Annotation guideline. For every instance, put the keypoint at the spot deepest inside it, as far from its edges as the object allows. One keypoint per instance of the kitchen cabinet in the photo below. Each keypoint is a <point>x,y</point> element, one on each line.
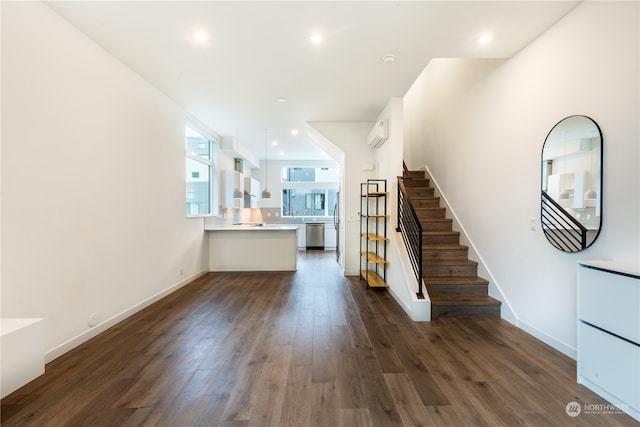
<point>302,238</point>
<point>231,179</point>
<point>330,236</point>
<point>609,332</point>
<point>270,247</point>
<point>251,193</point>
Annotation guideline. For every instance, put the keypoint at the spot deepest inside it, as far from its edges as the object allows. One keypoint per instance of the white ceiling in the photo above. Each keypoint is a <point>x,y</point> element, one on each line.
<point>259,51</point>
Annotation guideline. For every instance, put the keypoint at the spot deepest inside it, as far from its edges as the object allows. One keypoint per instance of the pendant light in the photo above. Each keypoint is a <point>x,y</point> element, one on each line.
<point>266,194</point>
<point>237,194</point>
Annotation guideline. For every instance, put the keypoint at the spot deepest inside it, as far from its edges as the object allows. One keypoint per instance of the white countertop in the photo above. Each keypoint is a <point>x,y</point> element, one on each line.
<point>252,227</point>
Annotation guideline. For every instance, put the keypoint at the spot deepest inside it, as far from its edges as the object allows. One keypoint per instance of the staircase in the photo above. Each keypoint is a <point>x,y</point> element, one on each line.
<point>450,276</point>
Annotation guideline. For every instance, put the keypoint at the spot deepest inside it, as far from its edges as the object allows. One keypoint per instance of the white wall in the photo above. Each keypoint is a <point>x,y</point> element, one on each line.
<point>351,138</point>
<point>93,208</point>
<point>483,148</point>
<point>402,282</point>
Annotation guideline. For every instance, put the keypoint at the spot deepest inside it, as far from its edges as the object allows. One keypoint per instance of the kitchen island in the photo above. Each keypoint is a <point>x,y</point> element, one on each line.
<point>253,247</point>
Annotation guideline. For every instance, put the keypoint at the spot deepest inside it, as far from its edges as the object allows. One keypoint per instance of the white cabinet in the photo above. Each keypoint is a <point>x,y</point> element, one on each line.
<point>302,237</point>
<point>231,179</point>
<point>609,332</point>
<point>21,351</point>
<point>251,193</point>
<point>329,236</point>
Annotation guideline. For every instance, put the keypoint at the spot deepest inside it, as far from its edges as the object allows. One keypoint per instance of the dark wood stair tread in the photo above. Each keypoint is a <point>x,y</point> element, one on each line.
<point>423,197</point>
<point>414,174</point>
<point>440,232</point>
<point>442,246</point>
<point>444,261</point>
<point>455,280</point>
<point>464,300</point>
<point>415,182</point>
<point>443,224</point>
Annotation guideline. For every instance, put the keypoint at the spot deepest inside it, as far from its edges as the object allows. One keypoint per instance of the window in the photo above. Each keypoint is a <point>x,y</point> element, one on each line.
<point>199,168</point>
<point>308,202</point>
<point>312,190</point>
<point>310,174</point>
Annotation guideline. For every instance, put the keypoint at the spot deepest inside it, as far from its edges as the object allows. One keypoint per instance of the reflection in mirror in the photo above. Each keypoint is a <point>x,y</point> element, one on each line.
<point>571,211</point>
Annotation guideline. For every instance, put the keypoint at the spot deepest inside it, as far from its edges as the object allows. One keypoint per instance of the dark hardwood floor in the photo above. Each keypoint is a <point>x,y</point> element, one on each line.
<point>310,348</point>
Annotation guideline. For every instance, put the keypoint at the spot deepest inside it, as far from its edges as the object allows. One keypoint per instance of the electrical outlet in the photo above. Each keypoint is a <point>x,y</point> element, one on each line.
<point>93,319</point>
<point>532,224</point>
<point>181,271</point>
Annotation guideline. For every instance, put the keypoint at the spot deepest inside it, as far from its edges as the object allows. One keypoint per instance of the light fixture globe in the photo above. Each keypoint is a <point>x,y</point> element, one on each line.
<point>590,194</point>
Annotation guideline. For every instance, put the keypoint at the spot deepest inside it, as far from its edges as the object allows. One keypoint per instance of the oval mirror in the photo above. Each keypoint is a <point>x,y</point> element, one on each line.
<point>571,212</point>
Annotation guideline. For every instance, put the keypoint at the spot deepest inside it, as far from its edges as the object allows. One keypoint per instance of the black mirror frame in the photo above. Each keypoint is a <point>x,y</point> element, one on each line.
<point>547,203</point>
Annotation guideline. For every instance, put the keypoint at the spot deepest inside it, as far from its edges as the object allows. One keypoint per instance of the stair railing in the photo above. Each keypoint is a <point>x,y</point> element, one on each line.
<point>561,228</point>
<point>411,229</point>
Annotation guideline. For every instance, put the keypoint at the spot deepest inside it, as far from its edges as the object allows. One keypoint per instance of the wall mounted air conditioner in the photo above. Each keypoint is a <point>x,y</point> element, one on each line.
<point>379,134</point>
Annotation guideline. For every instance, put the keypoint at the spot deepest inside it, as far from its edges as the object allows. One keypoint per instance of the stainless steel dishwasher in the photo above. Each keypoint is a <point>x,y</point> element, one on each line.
<point>315,235</point>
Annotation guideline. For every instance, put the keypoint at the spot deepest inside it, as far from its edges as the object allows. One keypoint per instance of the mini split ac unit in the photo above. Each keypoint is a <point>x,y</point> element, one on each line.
<point>379,134</point>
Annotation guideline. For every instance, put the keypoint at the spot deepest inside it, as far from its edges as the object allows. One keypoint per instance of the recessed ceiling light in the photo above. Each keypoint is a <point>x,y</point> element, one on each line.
<point>200,36</point>
<point>485,39</point>
<point>388,58</point>
<point>294,132</point>
<point>282,153</point>
<point>281,99</point>
<point>316,38</point>
<point>274,143</point>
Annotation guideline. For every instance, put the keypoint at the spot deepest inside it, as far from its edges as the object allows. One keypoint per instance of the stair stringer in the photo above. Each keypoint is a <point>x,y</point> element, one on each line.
<point>506,310</point>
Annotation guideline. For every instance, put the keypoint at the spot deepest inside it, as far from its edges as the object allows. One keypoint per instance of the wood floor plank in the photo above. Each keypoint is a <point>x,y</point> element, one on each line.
<point>379,340</point>
<point>324,405</point>
<point>302,351</point>
<point>306,348</point>
<point>359,417</point>
<point>350,388</point>
<point>410,406</point>
<point>416,368</point>
<point>268,395</point>
<point>378,397</point>
<point>296,410</point>
<point>323,364</point>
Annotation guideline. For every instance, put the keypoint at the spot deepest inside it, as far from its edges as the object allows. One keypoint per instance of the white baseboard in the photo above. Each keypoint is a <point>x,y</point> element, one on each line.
<point>58,351</point>
<point>548,339</point>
